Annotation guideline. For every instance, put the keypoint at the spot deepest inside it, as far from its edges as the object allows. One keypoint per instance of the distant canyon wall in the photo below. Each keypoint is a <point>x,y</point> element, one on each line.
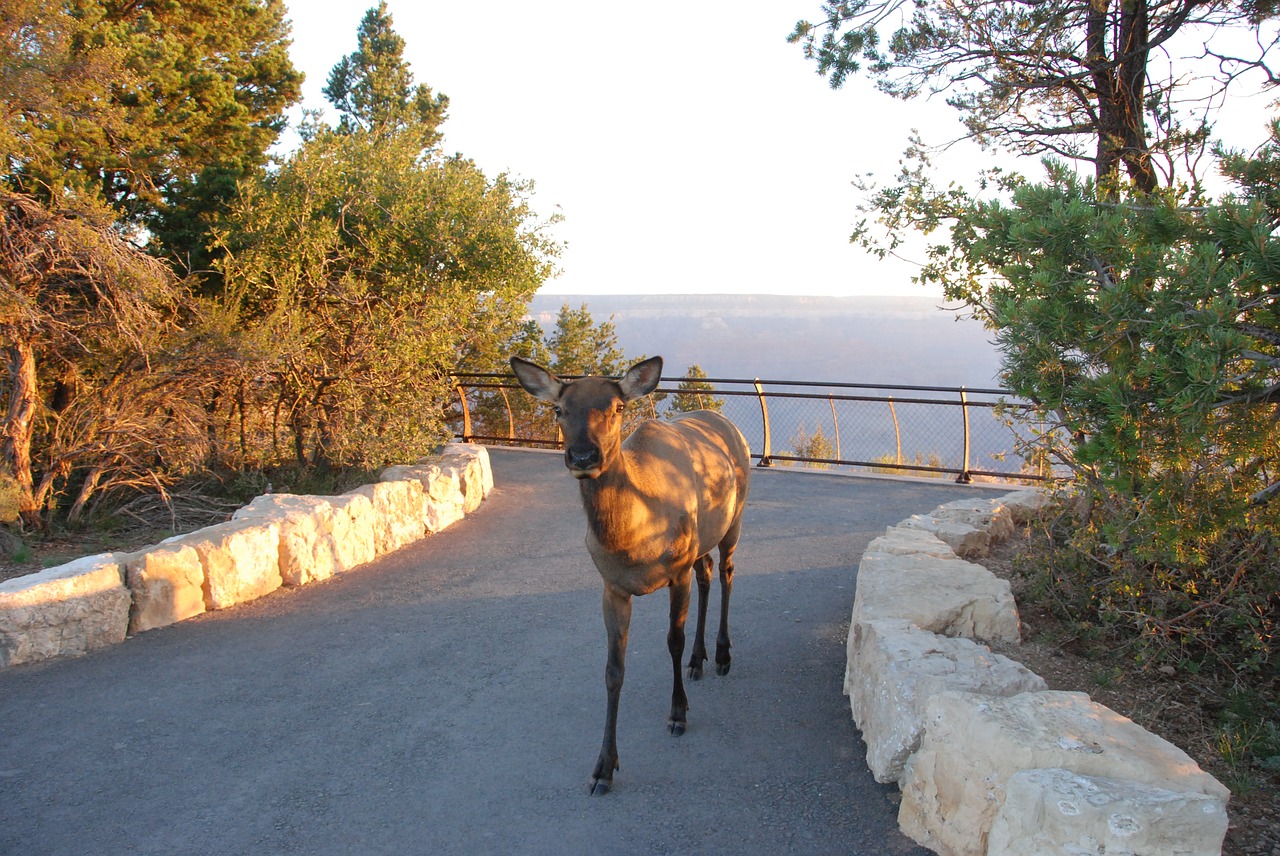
<point>891,340</point>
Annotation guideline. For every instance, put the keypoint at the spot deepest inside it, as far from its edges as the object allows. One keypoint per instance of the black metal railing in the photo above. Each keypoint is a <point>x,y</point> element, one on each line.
<point>925,430</point>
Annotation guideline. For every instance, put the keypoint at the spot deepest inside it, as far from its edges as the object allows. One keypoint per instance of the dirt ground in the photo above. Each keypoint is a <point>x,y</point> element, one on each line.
<point>57,549</point>
<point>1166,703</point>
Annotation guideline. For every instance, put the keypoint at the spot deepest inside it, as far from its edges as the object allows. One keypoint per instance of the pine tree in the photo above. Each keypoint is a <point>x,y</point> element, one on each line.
<point>579,346</point>
<point>373,89</point>
<point>694,394</point>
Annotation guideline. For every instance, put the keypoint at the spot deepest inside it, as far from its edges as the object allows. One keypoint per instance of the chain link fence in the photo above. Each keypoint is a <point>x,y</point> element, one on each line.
<point>945,432</point>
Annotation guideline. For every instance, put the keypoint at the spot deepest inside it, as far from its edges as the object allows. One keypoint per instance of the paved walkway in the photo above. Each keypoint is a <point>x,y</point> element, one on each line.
<point>449,699</point>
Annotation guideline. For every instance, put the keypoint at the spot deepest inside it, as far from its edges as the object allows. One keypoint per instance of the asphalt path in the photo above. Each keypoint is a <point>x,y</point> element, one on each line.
<point>450,698</point>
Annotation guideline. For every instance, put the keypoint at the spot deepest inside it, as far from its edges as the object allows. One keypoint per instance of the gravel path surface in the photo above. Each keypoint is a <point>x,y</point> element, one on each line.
<point>450,699</point>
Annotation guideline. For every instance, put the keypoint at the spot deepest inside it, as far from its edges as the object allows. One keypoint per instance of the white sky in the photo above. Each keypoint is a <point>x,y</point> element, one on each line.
<point>689,148</point>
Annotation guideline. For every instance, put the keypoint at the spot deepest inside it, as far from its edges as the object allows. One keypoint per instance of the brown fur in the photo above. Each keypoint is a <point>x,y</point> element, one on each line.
<point>656,506</point>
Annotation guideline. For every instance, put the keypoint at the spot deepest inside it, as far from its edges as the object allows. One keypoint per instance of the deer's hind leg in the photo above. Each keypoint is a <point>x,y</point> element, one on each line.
<point>702,575</point>
<point>727,545</point>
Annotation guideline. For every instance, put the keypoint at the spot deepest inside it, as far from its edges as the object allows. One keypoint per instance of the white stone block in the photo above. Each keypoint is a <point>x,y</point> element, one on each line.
<point>903,541</point>
<point>353,531</point>
<point>444,501</point>
<point>476,473</point>
<point>167,583</point>
<point>398,512</point>
<point>895,668</point>
<point>968,541</point>
<point>950,597</point>
<point>66,610</point>
<point>1026,505</point>
<point>989,514</point>
<point>307,549</point>
<point>241,560</point>
<point>1057,812</point>
<point>954,785</point>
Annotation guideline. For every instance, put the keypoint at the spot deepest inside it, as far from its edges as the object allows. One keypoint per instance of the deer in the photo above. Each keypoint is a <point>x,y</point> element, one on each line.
<point>656,504</point>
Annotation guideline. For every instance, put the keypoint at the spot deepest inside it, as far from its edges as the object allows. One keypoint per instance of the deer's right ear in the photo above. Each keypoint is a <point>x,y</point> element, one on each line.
<point>536,380</point>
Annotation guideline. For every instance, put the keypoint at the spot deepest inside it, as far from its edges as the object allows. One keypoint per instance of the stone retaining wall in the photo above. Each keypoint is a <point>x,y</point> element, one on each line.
<point>990,763</point>
<point>276,540</point>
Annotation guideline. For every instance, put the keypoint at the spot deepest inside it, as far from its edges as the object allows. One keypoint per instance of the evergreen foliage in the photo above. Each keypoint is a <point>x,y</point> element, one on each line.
<point>694,393</point>
<point>1071,80</point>
<point>373,89</point>
<point>577,345</point>
<point>345,285</point>
<point>156,108</point>
<point>1139,314</point>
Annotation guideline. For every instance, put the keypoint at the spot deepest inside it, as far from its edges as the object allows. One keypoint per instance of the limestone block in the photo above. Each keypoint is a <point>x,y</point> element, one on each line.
<point>241,560</point>
<point>353,531</point>
<point>1026,505</point>
<point>950,597</point>
<point>446,504</point>
<point>476,474</point>
<point>954,786</point>
<point>989,514</point>
<point>895,668</point>
<point>968,541</point>
<point>66,610</point>
<point>903,541</point>
<point>307,549</point>
<point>1060,813</point>
<point>167,584</point>
<point>442,501</point>
<point>397,513</point>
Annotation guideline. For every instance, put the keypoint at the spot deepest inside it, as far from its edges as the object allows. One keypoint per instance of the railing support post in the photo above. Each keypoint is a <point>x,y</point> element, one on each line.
<point>766,454</point>
<point>897,433</point>
<point>511,419</point>
<point>835,420</point>
<point>466,413</point>
<point>964,477</point>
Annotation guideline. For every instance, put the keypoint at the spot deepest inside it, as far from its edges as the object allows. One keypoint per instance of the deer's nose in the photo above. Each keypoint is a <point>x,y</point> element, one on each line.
<point>582,459</point>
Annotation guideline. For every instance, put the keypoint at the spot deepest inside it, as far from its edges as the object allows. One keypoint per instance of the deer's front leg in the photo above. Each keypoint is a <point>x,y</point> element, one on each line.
<point>680,592</point>
<point>617,621</point>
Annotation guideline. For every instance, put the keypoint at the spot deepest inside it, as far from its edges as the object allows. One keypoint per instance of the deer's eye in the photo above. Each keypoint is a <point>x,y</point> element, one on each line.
<point>620,408</point>
<point>556,410</point>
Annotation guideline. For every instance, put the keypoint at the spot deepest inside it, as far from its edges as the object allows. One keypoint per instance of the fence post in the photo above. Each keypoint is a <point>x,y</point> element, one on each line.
<point>964,477</point>
<point>835,420</point>
<point>766,454</point>
<point>466,412</point>
<point>897,433</point>
<point>511,419</point>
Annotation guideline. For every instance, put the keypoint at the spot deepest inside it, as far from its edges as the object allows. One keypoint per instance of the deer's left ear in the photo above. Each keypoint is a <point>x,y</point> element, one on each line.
<point>641,379</point>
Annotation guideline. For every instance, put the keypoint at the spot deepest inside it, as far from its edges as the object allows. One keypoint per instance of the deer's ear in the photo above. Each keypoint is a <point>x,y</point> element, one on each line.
<point>536,380</point>
<point>641,379</point>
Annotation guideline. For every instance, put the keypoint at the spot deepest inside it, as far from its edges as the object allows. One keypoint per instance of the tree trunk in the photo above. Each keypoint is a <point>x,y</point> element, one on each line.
<point>86,491</point>
<point>1119,82</point>
<point>298,427</point>
<point>1131,78</point>
<point>19,427</point>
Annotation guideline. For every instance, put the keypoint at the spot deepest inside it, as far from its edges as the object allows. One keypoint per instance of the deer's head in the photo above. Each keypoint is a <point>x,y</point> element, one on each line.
<point>589,409</point>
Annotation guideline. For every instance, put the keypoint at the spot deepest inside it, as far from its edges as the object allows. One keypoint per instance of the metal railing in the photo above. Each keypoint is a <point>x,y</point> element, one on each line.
<point>924,430</point>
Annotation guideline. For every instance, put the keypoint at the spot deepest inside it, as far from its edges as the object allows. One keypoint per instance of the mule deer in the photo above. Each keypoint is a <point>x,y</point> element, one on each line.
<point>656,506</point>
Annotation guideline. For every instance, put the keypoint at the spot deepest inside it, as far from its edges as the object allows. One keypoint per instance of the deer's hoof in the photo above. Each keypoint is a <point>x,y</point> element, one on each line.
<point>599,789</point>
<point>695,672</point>
<point>722,669</point>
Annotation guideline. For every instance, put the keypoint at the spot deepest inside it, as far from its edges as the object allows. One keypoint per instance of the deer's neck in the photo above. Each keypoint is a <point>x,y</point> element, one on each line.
<point>609,501</point>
